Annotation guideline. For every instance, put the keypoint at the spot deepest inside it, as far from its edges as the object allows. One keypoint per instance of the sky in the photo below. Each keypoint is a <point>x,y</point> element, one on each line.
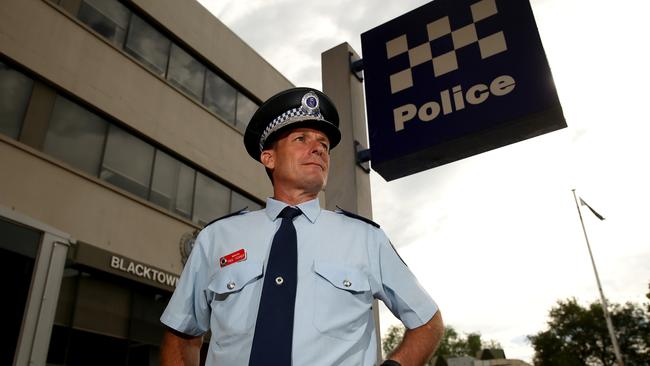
<point>496,238</point>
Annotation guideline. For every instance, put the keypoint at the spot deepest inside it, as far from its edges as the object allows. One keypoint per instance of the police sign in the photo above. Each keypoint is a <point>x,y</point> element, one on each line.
<point>452,79</point>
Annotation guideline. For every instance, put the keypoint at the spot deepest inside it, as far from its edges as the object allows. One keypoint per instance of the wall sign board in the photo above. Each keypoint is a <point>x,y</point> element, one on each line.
<point>452,79</point>
<point>116,264</point>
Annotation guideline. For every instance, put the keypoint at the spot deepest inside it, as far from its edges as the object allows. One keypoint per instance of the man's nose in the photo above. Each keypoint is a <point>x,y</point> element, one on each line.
<point>317,147</point>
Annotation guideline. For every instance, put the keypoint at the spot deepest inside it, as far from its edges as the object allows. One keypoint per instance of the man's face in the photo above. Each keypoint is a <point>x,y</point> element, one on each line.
<point>299,160</point>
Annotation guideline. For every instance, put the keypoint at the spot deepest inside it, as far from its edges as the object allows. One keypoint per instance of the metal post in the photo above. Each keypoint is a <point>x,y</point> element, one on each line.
<point>351,187</point>
<point>608,320</point>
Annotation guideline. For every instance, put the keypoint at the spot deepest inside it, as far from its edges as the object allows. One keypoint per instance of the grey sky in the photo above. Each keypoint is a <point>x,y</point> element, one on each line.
<point>495,238</point>
<point>292,34</point>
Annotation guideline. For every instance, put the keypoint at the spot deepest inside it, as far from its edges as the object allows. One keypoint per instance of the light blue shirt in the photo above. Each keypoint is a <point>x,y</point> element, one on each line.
<point>343,263</point>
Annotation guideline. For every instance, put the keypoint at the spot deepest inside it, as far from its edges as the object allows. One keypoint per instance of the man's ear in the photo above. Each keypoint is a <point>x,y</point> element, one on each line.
<point>267,158</point>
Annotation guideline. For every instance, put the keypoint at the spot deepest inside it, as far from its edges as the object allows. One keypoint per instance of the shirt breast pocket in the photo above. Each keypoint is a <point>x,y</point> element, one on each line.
<point>233,292</point>
<point>343,300</point>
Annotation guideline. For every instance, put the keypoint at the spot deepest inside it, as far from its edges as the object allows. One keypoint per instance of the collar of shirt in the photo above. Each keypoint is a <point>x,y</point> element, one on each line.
<point>311,209</point>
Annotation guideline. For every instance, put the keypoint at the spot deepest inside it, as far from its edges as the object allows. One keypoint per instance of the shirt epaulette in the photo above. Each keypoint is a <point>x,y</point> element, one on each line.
<point>355,216</point>
<point>240,212</point>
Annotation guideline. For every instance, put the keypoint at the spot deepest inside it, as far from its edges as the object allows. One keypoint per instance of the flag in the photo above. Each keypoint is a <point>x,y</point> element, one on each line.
<point>583,203</point>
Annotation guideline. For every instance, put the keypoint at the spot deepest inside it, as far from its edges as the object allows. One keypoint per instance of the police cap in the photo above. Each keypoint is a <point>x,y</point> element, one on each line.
<point>289,109</point>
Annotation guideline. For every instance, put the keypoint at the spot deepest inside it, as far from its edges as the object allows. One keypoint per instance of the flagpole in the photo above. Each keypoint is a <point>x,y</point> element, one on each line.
<point>608,320</point>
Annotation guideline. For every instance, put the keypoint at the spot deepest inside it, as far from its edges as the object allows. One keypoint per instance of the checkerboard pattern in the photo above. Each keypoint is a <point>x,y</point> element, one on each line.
<point>447,62</point>
<point>293,115</point>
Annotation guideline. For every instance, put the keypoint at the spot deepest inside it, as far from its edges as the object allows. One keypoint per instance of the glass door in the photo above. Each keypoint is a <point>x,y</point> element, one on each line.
<point>32,259</point>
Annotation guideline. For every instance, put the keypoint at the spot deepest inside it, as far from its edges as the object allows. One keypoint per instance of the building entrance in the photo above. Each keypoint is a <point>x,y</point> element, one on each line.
<point>18,249</point>
<point>103,319</point>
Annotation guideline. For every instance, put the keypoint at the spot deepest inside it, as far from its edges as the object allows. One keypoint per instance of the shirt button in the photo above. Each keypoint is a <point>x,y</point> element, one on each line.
<point>279,280</point>
<point>230,285</point>
<point>347,283</point>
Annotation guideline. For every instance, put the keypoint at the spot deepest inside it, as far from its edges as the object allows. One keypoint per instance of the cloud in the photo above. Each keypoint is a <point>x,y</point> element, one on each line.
<point>291,35</point>
<point>496,238</point>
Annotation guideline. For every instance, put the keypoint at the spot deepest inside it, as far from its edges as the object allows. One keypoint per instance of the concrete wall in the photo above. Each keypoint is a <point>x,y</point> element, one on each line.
<point>63,52</point>
<point>88,209</point>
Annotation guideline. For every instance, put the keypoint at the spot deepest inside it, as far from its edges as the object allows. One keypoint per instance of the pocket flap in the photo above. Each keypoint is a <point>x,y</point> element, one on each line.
<point>343,277</point>
<point>235,277</point>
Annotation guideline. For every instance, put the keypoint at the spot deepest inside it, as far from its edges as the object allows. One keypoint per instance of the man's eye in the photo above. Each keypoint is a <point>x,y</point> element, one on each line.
<point>300,138</point>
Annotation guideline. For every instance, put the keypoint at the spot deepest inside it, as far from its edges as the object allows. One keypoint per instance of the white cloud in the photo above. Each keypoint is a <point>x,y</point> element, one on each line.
<point>496,238</point>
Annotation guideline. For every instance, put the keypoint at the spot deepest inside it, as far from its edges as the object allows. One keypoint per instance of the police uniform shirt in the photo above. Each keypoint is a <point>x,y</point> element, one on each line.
<point>343,263</point>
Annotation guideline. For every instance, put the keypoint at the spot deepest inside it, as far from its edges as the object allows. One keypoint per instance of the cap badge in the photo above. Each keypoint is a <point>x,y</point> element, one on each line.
<point>308,110</point>
<point>310,103</point>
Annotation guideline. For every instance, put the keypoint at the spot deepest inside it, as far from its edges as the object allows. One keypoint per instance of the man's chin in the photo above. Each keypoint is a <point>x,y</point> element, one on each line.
<point>316,184</point>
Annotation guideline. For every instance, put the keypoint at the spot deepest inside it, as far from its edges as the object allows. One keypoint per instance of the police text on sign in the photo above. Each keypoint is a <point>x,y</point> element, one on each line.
<point>477,94</point>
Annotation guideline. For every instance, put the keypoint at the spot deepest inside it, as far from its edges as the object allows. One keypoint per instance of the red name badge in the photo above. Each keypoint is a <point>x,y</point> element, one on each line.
<point>233,257</point>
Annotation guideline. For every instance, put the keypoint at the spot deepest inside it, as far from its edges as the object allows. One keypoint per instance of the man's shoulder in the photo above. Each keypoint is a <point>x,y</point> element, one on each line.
<point>348,215</point>
<point>243,213</point>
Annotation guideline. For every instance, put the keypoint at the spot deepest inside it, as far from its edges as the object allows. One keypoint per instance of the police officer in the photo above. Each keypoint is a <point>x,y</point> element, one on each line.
<point>294,284</point>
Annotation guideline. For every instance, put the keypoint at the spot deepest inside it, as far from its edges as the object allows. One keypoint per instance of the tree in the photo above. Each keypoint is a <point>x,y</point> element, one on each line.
<point>578,335</point>
<point>392,339</point>
<point>451,345</point>
<point>474,344</point>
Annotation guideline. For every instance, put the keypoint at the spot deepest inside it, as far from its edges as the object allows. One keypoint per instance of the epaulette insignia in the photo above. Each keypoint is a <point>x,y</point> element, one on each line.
<point>355,216</point>
<point>398,256</point>
<point>240,212</point>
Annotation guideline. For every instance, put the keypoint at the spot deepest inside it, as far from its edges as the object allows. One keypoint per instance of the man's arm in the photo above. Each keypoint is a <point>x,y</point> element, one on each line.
<point>180,349</point>
<point>419,343</point>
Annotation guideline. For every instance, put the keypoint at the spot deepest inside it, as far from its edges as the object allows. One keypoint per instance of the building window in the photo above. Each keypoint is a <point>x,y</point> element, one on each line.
<point>80,138</point>
<point>238,202</point>
<point>127,162</point>
<point>211,200</point>
<point>172,185</point>
<point>92,144</point>
<point>148,45</point>
<point>245,110</point>
<point>186,73</point>
<point>108,18</point>
<point>15,90</point>
<point>220,97</point>
<point>75,136</point>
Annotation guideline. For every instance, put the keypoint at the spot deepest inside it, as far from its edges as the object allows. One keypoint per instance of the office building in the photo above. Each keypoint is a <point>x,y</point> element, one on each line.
<point>121,129</point>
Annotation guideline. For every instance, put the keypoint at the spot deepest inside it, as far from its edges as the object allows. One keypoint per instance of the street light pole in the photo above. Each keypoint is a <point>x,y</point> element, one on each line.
<point>610,326</point>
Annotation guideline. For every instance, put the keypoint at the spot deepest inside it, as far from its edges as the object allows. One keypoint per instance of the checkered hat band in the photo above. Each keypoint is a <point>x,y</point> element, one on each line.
<point>291,116</point>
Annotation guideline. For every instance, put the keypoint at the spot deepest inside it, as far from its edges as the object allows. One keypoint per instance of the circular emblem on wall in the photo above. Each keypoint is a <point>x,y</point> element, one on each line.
<point>310,102</point>
<point>186,245</point>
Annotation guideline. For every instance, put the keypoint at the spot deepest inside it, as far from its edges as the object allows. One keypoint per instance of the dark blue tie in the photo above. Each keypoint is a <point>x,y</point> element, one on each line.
<point>274,328</point>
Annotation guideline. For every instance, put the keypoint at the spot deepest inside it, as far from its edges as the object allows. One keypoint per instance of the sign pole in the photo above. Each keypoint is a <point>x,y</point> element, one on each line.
<point>610,326</point>
<point>351,189</point>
